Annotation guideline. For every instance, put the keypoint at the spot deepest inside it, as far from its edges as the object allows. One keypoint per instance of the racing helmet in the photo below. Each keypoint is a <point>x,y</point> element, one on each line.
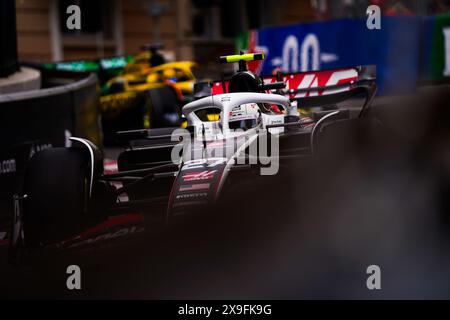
<point>244,81</point>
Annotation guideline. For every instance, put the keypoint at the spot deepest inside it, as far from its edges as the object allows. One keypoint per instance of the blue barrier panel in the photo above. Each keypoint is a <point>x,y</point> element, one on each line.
<point>394,49</point>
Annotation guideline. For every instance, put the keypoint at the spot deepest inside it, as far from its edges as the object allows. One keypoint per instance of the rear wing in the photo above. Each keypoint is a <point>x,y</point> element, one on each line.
<point>313,88</point>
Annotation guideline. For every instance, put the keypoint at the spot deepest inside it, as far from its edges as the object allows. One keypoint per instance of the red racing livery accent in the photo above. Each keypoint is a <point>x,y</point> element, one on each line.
<point>306,80</point>
<point>199,175</point>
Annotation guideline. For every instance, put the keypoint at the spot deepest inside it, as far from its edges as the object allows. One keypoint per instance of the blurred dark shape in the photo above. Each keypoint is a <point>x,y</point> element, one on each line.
<point>96,17</point>
<point>321,8</point>
<point>357,8</point>
<point>400,7</point>
<point>8,41</point>
<point>378,193</point>
<point>156,58</point>
<point>438,6</point>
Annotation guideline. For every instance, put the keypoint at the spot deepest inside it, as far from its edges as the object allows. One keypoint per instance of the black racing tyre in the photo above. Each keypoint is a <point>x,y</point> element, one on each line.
<point>57,186</point>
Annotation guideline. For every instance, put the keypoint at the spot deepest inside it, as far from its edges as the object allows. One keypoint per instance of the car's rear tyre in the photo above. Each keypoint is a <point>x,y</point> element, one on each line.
<point>57,186</point>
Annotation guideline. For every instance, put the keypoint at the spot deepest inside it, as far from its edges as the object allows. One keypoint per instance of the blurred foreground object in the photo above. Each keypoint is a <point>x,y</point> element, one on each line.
<point>8,42</point>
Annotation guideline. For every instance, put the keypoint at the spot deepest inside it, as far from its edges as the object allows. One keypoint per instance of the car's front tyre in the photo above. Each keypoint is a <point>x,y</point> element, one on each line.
<point>57,186</point>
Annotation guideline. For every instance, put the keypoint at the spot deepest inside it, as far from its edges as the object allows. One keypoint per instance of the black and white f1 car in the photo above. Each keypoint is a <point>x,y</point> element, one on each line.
<point>169,173</point>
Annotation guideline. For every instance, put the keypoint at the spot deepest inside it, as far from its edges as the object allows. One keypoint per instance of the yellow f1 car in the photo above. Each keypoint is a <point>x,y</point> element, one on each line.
<point>145,96</point>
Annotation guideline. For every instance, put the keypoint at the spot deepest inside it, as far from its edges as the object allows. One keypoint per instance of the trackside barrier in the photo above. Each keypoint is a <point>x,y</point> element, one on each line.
<point>406,50</point>
<point>35,120</point>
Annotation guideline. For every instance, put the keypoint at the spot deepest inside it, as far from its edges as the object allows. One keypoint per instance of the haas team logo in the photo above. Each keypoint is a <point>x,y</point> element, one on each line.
<point>308,80</point>
<point>318,79</point>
